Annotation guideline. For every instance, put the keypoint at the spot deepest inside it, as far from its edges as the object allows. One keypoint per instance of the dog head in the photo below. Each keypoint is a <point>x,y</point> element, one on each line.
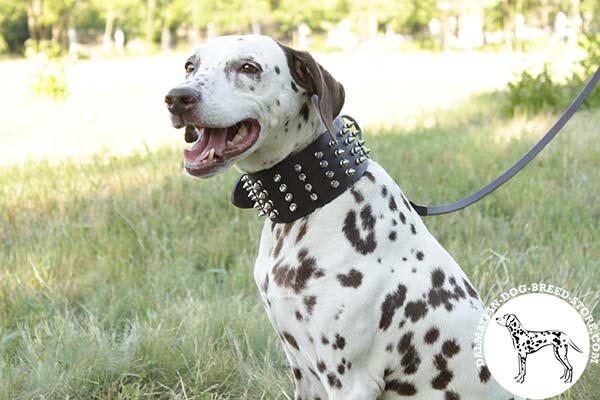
<point>508,320</point>
<point>251,101</point>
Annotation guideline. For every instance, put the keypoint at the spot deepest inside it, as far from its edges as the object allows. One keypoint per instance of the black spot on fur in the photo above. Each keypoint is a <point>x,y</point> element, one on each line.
<point>439,296</point>
<point>413,229</point>
<point>297,373</point>
<point>392,204</point>
<point>297,278</point>
<point>450,348</point>
<point>401,387</point>
<point>392,236</point>
<point>350,229</point>
<point>277,70</point>
<point>431,335</point>
<point>339,343</point>
<point>309,303</point>
<point>450,395</point>
<point>484,374</point>
<point>294,87</point>
<point>406,204</point>
<point>440,363</point>
<point>470,289</point>
<point>441,381</point>
<point>420,255</point>
<point>410,358</point>
<point>321,366</point>
<point>291,340</point>
<point>415,310</point>
<point>358,197</point>
<point>369,176</point>
<point>392,302</point>
<point>333,381</point>
<point>402,217</point>
<point>351,279</point>
<point>304,111</point>
<point>384,191</point>
<point>437,278</point>
<point>302,231</point>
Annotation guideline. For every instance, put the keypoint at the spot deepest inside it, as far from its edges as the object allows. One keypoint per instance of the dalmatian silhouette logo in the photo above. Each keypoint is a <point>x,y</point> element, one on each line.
<point>528,342</point>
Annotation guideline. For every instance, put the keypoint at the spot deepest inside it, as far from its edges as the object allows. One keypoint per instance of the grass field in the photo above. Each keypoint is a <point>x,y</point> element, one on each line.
<point>122,279</point>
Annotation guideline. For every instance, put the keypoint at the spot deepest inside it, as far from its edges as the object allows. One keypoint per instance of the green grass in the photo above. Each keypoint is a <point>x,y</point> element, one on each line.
<point>123,279</point>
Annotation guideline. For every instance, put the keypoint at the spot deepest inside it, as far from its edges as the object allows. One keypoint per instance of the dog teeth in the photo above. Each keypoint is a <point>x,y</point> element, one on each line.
<point>211,154</point>
<point>241,133</point>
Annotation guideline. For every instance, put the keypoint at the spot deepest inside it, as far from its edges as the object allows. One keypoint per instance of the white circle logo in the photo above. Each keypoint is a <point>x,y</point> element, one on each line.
<point>536,346</point>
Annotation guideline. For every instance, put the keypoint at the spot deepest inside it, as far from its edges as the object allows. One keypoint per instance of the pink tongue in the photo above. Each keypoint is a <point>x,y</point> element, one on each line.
<point>212,138</point>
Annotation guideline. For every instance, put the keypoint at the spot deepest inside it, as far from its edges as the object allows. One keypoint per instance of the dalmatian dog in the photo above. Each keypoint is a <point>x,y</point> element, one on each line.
<point>368,305</point>
<point>528,342</point>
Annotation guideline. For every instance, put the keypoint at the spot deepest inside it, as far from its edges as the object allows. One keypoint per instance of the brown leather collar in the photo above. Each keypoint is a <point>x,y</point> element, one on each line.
<point>308,179</point>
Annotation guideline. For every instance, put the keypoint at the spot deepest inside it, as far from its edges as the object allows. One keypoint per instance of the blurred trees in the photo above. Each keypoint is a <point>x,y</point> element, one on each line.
<point>165,22</point>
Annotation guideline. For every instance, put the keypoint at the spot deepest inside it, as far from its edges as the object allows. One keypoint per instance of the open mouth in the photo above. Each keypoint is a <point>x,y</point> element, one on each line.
<point>216,146</point>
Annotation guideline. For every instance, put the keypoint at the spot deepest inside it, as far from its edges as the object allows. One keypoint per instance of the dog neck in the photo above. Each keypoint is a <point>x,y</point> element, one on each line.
<point>308,179</point>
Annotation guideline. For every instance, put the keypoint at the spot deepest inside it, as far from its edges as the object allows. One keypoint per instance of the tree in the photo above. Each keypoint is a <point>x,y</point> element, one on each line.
<point>13,26</point>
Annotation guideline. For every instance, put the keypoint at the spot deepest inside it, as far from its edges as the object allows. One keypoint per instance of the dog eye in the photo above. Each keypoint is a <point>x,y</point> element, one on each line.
<point>249,69</point>
<point>189,67</point>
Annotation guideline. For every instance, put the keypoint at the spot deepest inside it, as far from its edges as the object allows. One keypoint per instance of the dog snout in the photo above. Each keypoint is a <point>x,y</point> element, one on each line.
<point>182,100</point>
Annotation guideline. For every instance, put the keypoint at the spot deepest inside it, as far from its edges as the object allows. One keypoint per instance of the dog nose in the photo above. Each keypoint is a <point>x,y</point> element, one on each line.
<point>181,100</point>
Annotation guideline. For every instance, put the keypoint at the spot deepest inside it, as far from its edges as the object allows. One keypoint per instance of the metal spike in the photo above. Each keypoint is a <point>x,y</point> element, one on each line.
<point>344,131</point>
<point>349,140</point>
<point>329,174</point>
<point>263,195</point>
<point>276,178</point>
<point>349,124</point>
<point>339,152</point>
<point>245,178</point>
<point>366,150</point>
<point>335,184</point>
<point>314,197</point>
<point>293,207</point>
<point>282,187</point>
<point>273,214</point>
<point>246,186</point>
<point>288,197</point>
<point>323,164</point>
<point>332,143</point>
<point>318,155</point>
<point>350,171</point>
<point>262,213</point>
<point>257,205</point>
<point>257,185</point>
<point>361,159</point>
<point>344,162</point>
<point>268,205</point>
<point>361,142</point>
<point>355,150</point>
<point>308,187</point>
<point>302,177</point>
<point>297,167</point>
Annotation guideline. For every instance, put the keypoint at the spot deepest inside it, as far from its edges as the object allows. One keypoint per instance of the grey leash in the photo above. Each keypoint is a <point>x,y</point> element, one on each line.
<point>519,165</point>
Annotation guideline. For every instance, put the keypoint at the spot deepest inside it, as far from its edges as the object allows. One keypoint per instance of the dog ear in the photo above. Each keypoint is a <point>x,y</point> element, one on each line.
<point>310,75</point>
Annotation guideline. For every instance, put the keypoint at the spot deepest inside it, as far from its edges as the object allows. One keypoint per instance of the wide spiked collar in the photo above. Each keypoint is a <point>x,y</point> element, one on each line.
<point>308,179</point>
